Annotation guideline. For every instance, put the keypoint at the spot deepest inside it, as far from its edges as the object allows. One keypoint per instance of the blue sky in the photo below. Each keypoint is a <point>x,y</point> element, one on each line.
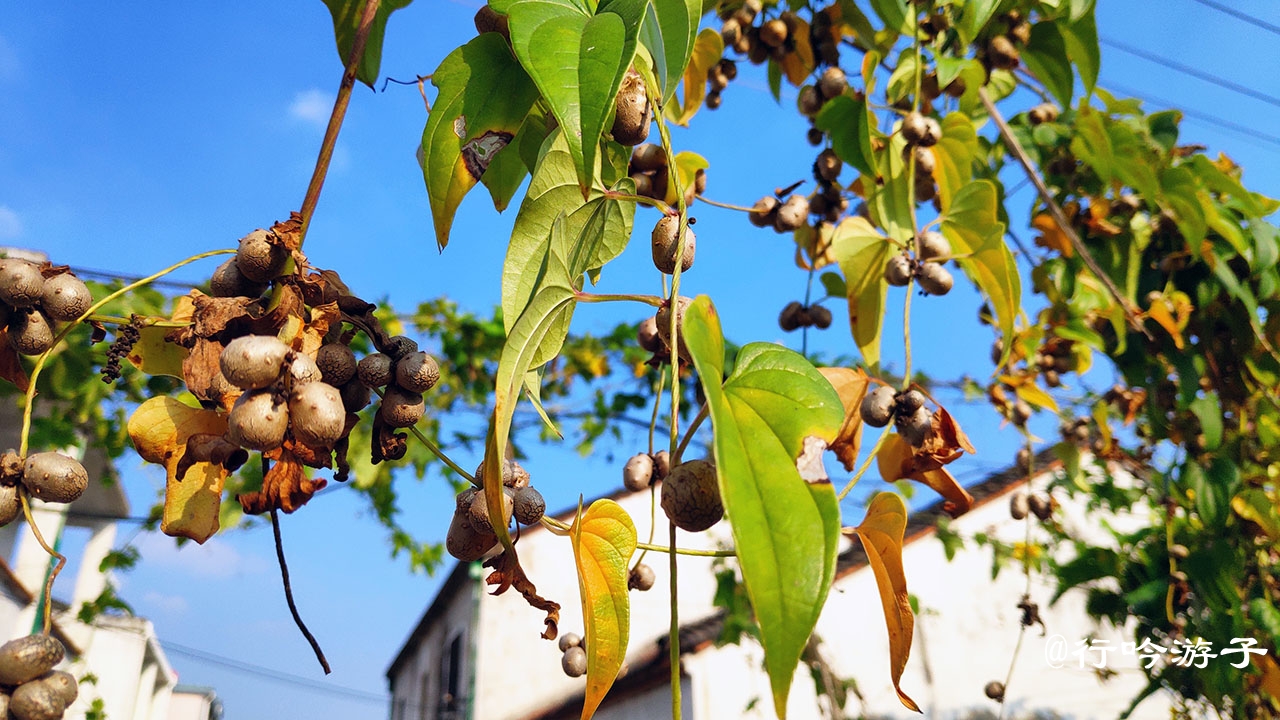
<point>130,139</point>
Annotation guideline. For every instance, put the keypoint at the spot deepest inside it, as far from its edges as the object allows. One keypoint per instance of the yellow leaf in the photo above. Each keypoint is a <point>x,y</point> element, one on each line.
<point>881,534</point>
<point>153,355</point>
<point>1051,236</point>
<point>851,385</point>
<point>159,429</point>
<point>604,538</point>
<point>1172,312</point>
<point>708,48</point>
<point>687,166</point>
<point>1032,393</point>
<point>798,65</point>
<point>1270,674</point>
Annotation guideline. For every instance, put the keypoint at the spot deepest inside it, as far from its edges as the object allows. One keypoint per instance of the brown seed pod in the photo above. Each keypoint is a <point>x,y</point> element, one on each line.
<point>399,346</point>
<point>1180,552</point>
<point>774,33</point>
<point>488,20</point>
<point>1041,506</point>
<point>661,465</point>
<point>1052,378</point>
<point>716,80</point>
<point>1022,459</point>
<point>641,578</point>
<point>897,271</point>
<point>258,421</point>
<point>916,427</point>
<point>259,259</point>
<point>27,658</point>
<point>228,281</point>
<point>820,317</point>
<point>317,415</point>
<point>1018,507</point>
<point>994,690</point>
<point>632,112</point>
<point>21,284</point>
<point>922,130</point>
<point>529,507</point>
<point>730,32</point>
<point>637,474</point>
<point>417,372</point>
<point>1020,32</point>
<point>401,408</point>
<point>303,370</point>
<point>54,477</point>
<point>252,362</point>
<point>514,475</point>
<point>764,212</point>
<point>36,701</point>
<point>665,245</point>
<point>1043,113</point>
<point>644,185</point>
<point>337,362</point>
<point>934,279</point>
<point>569,640</point>
<point>828,166</point>
<point>647,335</point>
<point>728,68</point>
<point>63,684</point>
<point>789,318</point>
<point>1020,413</point>
<point>574,662</point>
<point>663,317</point>
<point>815,136</point>
<point>478,512</point>
<point>926,163</point>
<point>355,395</point>
<point>691,496</point>
<point>29,331</point>
<point>934,246</point>
<point>65,297</point>
<point>809,101</point>
<point>1002,54</point>
<point>833,82</point>
<point>10,506</point>
<point>463,542</point>
<point>374,370</point>
<point>877,406</point>
<point>909,401</point>
<point>648,158</point>
<point>956,88</point>
<point>792,214</point>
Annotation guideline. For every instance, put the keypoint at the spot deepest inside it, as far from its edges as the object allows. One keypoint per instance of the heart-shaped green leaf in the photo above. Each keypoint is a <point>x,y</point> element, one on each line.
<point>577,61</point>
<point>953,156</point>
<point>604,539</point>
<point>346,19</point>
<point>847,122</point>
<point>785,529</point>
<point>669,29</point>
<point>484,98</point>
<point>862,253</point>
<point>977,239</point>
<point>1046,57</point>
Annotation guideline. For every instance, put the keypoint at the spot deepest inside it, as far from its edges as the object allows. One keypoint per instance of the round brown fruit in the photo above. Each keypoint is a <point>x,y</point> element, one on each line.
<point>897,271</point>
<point>258,421</point>
<point>914,127</point>
<point>833,82</point>
<point>815,136</point>
<point>513,474</point>
<point>713,100</point>
<point>773,33</point>
<point>574,662</point>
<point>916,427</point>
<point>1021,413</point>
<point>730,31</point>
<point>728,68</point>
<point>644,185</point>
<point>355,395</point>
<point>29,331</point>
<point>994,690</point>
<point>666,246</point>
<point>789,318</point>
<point>663,317</point>
<point>792,214</point>
<point>641,578</point>
<point>337,362</point>
<point>648,158</point>
<point>259,259</point>
<point>1041,506</point>
<point>399,346</point>
<point>809,101</point>
<point>417,372</point>
<point>926,163</point>
<point>478,512</point>
<point>228,281</point>
<point>374,370</point>
<point>21,284</point>
<point>647,335</point>
<point>1022,459</point>
<point>252,362</point>
<point>909,401</point>
<point>54,477</point>
<point>303,370</point>
<point>1043,113</point>
<point>1018,507</point>
<point>934,279</point>
<point>764,212</point>
<point>36,701</point>
<point>488,20</point>
<point>64,685</point>
<point>691,496</point>
<point>877,406</point>
<point>828,166</point>
<point>317,414</point>
<point>401,408</point>
<point>934,246</point>
<point>27,658</point>
<point>632,112</point>
<point>569,640</point>
<point>637,474</point>
<point>10,505</point>
<point>661,465</point>
<point>65,297</point>
<point>820,316</point>
<point>463,542</point>
<point>529,505</point>
<point>1002,54</point>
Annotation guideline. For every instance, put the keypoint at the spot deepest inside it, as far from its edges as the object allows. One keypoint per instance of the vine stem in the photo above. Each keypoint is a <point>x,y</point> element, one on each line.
<point>288,595</point>
<point>726,206</point>
<point>144,322</point>
<point>435,449</point>
<point>44,356</point>
<point>640,199</point>
<point>884,435</point>
<point>559,527</point>
<point>1055,210</point>
<point>335,118</point>
<point>1026,569</point>
<point>674,632</point>
<point>906,334</point>
<point>586,297</point>
<point>688,434</point>
<point>62,561</point>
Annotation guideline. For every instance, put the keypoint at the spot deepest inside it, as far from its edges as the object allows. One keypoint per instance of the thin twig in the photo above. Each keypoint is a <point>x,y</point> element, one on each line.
<point>335,118</point>
<point>1011,142</point>
<point>674,634</point>
<point>726,206</point>
<point>288,591</point>
<point>689,433</point>
<point>47,610</point>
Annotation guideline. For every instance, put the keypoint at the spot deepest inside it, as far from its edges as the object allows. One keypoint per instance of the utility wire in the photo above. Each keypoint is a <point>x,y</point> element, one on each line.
<point>1202,116</point>
<point>266,672</point>
<point>125,277</point>
<point>1252,20</point>
<point>1192,71</point>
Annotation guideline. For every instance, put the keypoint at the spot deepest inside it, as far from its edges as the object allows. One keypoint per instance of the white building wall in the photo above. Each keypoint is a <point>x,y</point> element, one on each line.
<point>416,689</point>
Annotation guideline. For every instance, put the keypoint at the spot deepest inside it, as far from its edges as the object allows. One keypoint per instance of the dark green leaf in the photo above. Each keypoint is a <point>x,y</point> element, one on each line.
<point>1046,57</point>
<point>1081,39</point>
<point>1092,143</point>
<point>895,15</point>
<point>1181,195</point>
<point>974,16</point>
<point>1209,411</point>
<point>847,121</point>
<point>668,32</point>
<point>833,284</point>
<point>346,19</point>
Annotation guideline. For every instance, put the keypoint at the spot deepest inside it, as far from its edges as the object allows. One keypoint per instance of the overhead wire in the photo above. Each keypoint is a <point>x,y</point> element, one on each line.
<point>1240,15</point>
<point>261,671</point>
<point>1191,71</point>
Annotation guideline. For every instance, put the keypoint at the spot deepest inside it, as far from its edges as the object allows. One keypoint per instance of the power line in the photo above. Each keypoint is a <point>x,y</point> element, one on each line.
<point>1254,21</point>
<point>277,675</point>
<point>1192,71</point>
<point>1202,116</point>
<point>127,278</point>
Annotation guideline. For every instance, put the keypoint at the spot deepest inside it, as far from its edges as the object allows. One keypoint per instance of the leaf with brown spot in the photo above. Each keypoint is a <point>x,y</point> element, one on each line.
<point>507,573</point>
<point>897,460</point>
<point>160,429</point>
<point>285,487</point>
<point>208,448</point>
<point>851,385</point>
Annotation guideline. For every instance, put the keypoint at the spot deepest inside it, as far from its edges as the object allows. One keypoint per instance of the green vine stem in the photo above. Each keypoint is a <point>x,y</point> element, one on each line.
<point>435,449</point>
<point>674,631</point>
<point>639,199</point>
<point>1026,569</point>
<point>560,528</point>
<point>586,297</point>
<point>726,206</point>
<point>142,321</point>
<point>884,435</point>
<point>44,356</point>
<point>47,607</point>
<point>335,118</point>
<point>689,433</point>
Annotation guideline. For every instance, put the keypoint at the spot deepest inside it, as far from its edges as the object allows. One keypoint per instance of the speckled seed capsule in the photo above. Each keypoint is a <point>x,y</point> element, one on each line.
<point>401,408</point>
<point>638,472</point>
<point>792,214</point>
<point>463,542</point>
<point>65,297</point>
<point>934,279</point>
<point>934,246</point>
<point>10,506</point>
<point>30,332</point>
<point>317,416</point>
<point>877,406</point>
<point>897,271</point>
<point>374,370</point>
<point>632,113</point>
<point>529,505</point>
<point>228,281</point>
<point>303,369</point>
<point>910,401</point>
<point>259,259</point>
<point>257,421</point>
<point>417,372</point>
<point>691,496</point>
<point>478,513</point>
<point>661,465</point>
<point>663,317</point>
<point>27,658</point>
<point>574,662</point>
<point>641,578</point>
<point>665,245</point>
<point>764,212</point>
<point>916,427</point>
<point>253,362</point>
<point>36,701</point>
<point>21,284</point>
<point>1018,506</point>
<point>647,335</point>
<point>337,362</point>
<point>514,475</point>
<point>54,477</point>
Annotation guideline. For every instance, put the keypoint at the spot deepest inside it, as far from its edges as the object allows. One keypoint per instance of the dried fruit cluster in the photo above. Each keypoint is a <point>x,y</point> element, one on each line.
<point>924,263</point>
<point>30,689</point>
<point>33,298</point>
<point>906,409</point>
<point>650,171</point>
<point>796,315</point>
<point>49,476</point>
<point>471,535</point>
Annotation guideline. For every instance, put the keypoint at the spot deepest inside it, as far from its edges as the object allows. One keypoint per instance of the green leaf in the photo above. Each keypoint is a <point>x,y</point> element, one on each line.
<point>708,48</point>
<point>862,253</point>
<point>346,19</point>
<point>483,100</point>
<point>895,15</point>
<point>1092,142</point>
<point>974,16</point>
<point>1046,57</point>
<point>977,237</point>
<point>848,123</point>
<point>774,76</point>
<point>604,539</point>
<point>553,191</point>
<point>154,355</point>
<point>1133,160</point>
<point>968,70</point>
<point>1181,195</point>
<point>954,155</point>
<point>577,61</point>
<point>1209,411</point>
<point>1081,39</point>
<point>888,198</point>
<point>786,530</point>
<point>507,171</point>
<point>669,29</point>
<point>902,82</point>
<point>834,285</point>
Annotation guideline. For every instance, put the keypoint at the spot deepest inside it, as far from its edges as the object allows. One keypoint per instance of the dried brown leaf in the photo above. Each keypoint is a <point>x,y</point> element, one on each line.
<point>10,363</point>
<point>507,573</point>
<point>285,487</point>
<point>851,385</point>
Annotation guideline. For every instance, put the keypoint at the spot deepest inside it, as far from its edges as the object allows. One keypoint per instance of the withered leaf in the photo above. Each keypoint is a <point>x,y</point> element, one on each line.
<point>285,487</point>
<point>507,573</point>
<point>203,374</point>
<point>10,363</point>
<point>898,460</point>
<point>207,448</point>
<point>288,232</point>
<point>851,385</point>
<point>160,429</point>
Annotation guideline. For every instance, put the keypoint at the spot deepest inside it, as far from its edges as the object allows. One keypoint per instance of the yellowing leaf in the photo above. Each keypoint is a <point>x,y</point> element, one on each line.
<point>897,461</point>
<point>153,355</point>
<point>1051,235</point>
<point>862,253</point>
<point>1026,388</point>
<point>159,429</point>
<point>707,51</point>
<point>881,534</point>
<point>851,385</point>
<point>953,157</point>
<point>1270,674</point>
<point>687,166</point>
<point>798,65</point>
<point>604,538</point>
<point>977,238</point>
<point>1172,312</point>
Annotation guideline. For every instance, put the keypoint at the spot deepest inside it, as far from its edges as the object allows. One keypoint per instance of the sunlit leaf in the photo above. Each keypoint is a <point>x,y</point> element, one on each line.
<point>954,155</point>
<point>973,18</point>
<point>848,124</point>
<point>977,238</point>
<point>159,429</point>
<point>785,529</point>
<point>604,539</point>
<point>881,534</point>
<point>887,194</point>
<point>798,63</point>
<point>862,253</point>
<point>346,20</point>
<point>707,51</point>
<point>1045,55</point>
<point>668,32</point>
<point>897,460</point>
<point>1092,142</point>
<point>1081,39</point>
<point>154,356</point>
<point>687,166</point>
<point>1254,505</point>
<point>851,385</point>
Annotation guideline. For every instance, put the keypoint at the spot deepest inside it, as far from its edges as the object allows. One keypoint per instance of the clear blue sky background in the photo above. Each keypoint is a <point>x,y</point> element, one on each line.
<point>136,136</point>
